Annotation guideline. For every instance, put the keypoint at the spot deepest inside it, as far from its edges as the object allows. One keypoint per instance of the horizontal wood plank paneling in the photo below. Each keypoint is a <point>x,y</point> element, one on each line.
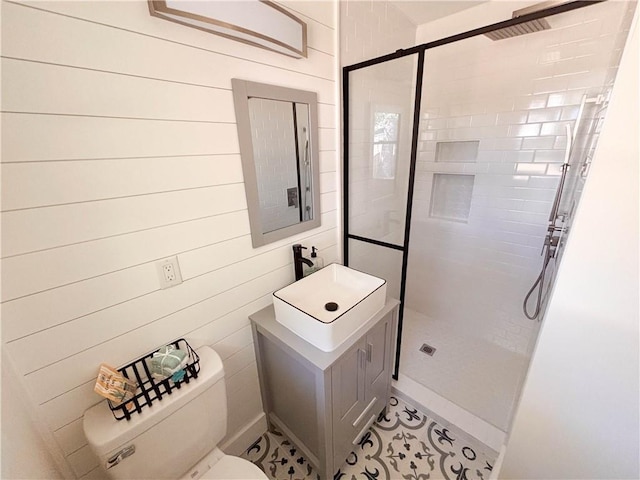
<point>28,184</point>
<point>27,88</point>
<point>120,149</point>
<point>50,227</point>
<point>244,403</point>
<point>83,461</point>
<point>35,313</point>
<point>79,137</point>
<point>239,359</point>
<point>71,437</point>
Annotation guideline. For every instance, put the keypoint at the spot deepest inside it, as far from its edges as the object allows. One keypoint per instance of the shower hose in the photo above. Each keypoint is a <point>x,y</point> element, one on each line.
<point>539,284</point>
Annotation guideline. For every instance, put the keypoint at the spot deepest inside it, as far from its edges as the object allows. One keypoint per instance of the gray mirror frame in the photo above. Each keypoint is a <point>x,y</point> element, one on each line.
<point>242,91</point>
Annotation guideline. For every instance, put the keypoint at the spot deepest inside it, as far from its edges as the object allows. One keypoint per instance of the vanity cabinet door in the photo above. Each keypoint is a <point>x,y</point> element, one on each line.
<point>348,384</point>
<point>360,384</point>
<point>378,368</point>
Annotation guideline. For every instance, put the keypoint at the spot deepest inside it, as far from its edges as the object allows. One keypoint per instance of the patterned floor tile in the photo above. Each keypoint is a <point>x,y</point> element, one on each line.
<point>403,444</point>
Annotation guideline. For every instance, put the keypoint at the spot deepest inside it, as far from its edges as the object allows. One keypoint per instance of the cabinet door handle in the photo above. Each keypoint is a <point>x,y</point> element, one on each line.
<point>365,411</point>
<point>364,429</point>
<point>369,350</point>
<point>362,358</point>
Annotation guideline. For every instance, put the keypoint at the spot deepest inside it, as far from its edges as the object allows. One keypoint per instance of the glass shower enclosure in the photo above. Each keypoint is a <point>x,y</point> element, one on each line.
<point>456,152</point>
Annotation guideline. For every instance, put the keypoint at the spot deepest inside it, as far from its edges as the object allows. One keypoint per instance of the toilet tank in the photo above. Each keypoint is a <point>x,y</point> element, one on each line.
<point>170,436</point>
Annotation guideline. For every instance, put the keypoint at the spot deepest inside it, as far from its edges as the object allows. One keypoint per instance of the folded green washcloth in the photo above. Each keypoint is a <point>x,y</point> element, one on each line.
<point>167,360</point>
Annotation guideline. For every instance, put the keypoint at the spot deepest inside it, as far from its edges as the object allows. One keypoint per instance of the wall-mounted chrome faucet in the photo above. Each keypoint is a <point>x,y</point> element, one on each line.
<point>298,260</point>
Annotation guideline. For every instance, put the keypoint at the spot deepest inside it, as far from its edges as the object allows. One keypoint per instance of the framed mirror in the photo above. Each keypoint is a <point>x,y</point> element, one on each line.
<point>278,133</point>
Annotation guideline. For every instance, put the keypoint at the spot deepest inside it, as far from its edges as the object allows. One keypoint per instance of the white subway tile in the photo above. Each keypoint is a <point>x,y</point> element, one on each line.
<point>535,143</point>
<point>539,206</point>
<point>570,113</point>
<point>457,122</point>
<point>427,156</point>
<point>465,109</point>
<point>527,130</point>
<point>493,131</point>
<point>490,156</point>
<point>531,168</point>
<point>554,169</point>
<point>560,142</point>
<point>510,118</point>
<point>587,79</point>
<point>530,102</point>
<point>476,168</point>
<point>500,102</point>
<point>544,115</point>
<point>518,156</point>
<point>564,98</point>
<point>484,120</point>
<point>436,123</point>
<point>507,143</point>
<point>553,128</point>
<point>549,156</point>
<point>447,134</point>
<point>503,168</point>
<point>457,151</point>
<point>428,135</point>
<point>543,182</point>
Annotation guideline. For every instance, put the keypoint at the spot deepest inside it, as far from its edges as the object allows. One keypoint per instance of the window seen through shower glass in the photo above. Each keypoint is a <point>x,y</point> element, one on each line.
<point>381,104</point>
<point>385,144</point>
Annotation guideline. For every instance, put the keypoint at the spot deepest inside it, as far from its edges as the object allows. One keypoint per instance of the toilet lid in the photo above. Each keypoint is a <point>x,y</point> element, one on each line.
<point>234,468</point>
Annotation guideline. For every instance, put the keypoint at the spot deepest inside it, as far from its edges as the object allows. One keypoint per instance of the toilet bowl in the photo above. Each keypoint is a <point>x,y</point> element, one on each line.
<point>219,466</point>
<point>176,438</point>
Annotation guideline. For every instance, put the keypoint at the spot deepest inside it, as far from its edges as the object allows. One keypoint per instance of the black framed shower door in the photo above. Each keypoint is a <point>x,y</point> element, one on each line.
<point>367,229</point>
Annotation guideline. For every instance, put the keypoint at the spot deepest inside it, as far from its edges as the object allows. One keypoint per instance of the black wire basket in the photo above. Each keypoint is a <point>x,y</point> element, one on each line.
<point>150,389</point>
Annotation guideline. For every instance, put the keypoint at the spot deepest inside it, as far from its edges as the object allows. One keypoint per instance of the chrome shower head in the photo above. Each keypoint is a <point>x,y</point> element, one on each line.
<point>531,26</point>
<point>521,29</point>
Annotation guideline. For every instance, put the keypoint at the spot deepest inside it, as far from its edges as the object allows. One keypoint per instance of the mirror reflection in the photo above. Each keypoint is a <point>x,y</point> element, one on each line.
<point>277,129</point>
<point>280,137</point>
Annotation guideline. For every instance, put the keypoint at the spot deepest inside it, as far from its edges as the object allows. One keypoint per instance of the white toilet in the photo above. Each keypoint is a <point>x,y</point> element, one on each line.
<point>174,438</point>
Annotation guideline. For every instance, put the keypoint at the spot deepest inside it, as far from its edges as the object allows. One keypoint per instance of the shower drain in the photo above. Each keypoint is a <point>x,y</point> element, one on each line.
<point>428,349</point>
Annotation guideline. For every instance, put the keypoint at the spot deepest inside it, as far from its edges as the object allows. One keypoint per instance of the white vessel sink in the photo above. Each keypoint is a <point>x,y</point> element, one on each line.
<point>330,305</point>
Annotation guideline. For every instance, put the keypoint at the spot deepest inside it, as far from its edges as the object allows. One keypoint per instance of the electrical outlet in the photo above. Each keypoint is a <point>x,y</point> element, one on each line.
<point>169,272</point>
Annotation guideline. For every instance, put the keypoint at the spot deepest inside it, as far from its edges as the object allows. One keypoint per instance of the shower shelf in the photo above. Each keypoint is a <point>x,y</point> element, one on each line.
<point>150,389</point>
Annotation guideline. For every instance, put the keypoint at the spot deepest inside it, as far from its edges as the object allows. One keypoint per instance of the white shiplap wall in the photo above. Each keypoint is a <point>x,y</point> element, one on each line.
<point>119,148</point>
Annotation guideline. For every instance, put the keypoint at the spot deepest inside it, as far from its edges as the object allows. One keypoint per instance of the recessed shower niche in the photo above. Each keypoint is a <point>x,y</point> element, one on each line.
<point>451,196</point>
<point>451,192</point>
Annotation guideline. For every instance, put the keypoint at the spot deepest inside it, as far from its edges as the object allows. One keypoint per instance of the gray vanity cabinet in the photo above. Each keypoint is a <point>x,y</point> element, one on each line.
<point>325,401</point>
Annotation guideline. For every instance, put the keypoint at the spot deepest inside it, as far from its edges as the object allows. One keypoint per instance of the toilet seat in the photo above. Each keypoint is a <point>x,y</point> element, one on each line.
<point>219,466</point>
<point>234,468</point>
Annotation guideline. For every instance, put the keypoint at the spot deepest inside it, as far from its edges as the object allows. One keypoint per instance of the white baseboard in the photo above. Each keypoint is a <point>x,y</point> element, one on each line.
<point>238,443</point>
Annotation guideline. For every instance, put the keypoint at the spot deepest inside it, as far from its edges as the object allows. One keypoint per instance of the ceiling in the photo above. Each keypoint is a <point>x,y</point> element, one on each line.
<point>424,11</point>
